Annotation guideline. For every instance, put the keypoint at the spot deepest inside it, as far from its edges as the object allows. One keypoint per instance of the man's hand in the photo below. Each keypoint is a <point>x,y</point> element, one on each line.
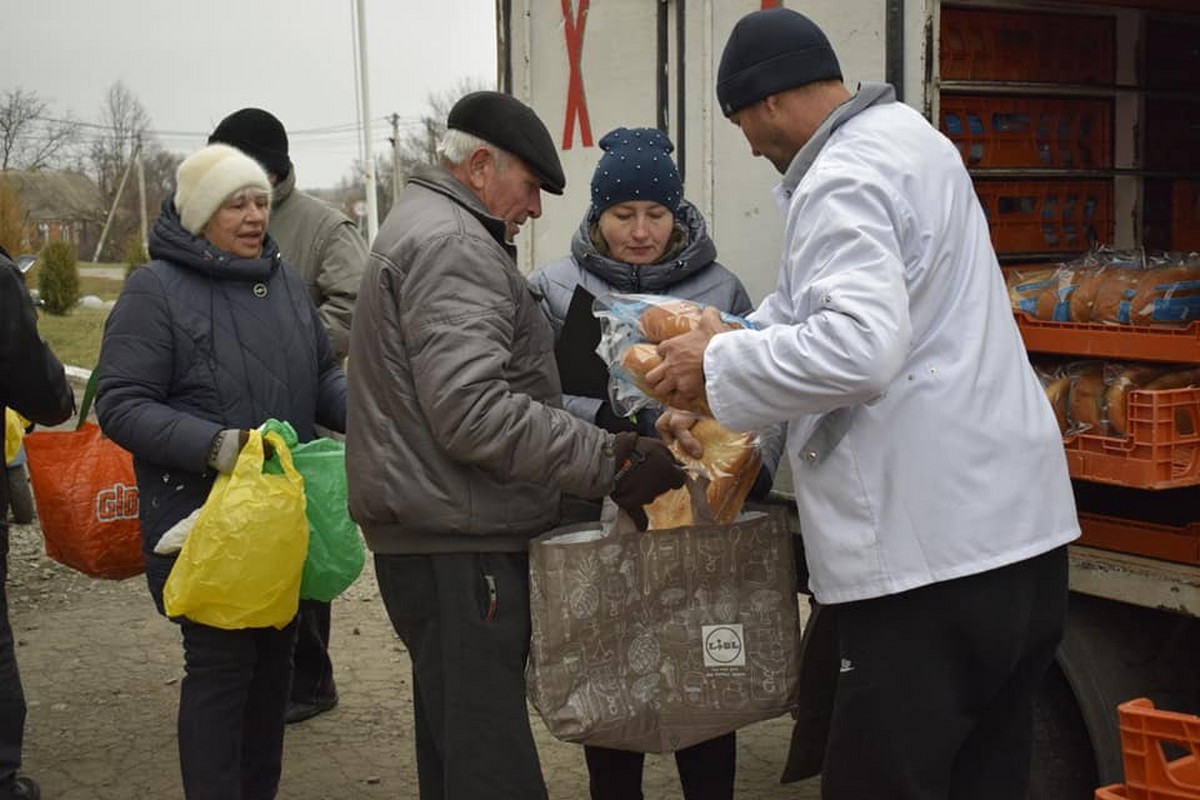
<point>679,380</point>
<point>676,425</point>
<point>645,468</point>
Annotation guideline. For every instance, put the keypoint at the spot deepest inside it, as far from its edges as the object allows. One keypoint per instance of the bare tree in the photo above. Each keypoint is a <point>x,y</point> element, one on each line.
<point>124,129</point>
<point>30,138</point>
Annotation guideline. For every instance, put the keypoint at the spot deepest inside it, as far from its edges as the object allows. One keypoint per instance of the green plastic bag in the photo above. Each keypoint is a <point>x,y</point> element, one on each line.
<point>241,563</point>
<point>335,549</point>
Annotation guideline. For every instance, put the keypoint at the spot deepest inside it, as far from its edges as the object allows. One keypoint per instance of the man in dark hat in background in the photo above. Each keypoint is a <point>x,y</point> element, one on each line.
<point>34,383</point>
<point>946,565</point>
<point>328,251</point>
<point>458,450</point>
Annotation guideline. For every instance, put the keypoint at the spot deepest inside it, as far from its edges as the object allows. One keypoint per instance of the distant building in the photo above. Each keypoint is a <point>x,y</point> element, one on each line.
<point>59,205</point>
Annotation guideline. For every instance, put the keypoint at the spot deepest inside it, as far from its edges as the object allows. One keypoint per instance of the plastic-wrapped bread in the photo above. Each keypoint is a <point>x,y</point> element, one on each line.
<point>1025,286</point>
<point>637,360</point>
<point>1166,294</point>
<point>1084,296</point>
<point>1058,392</point>
<point>730,462</point>
<point>1086,410</point>
<point>1111,304</point>
<point>1122,381</point>
<point>672,317</point>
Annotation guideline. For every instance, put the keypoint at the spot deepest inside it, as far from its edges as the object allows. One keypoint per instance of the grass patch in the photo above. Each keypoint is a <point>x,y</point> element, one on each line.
<point>75,338</point>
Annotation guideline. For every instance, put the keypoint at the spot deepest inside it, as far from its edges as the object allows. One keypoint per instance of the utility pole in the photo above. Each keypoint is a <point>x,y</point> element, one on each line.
<point>137,151</point>
<point>397,178</point>
<point>141,172</point>
<point>368,151</point>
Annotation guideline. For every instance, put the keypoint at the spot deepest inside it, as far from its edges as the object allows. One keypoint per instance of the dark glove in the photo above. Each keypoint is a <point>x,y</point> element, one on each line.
<point>607,418</point>
<point>645,468</point>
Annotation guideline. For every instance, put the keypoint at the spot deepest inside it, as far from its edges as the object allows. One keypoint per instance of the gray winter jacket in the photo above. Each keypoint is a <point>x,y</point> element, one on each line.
<point>200,341</point>
<point>456,441</point>
<point>325,247</point>
<point>692,274</point>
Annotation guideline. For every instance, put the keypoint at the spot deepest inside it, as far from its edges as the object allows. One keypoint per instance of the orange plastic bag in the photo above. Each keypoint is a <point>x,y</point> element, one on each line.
<point>87,501</point>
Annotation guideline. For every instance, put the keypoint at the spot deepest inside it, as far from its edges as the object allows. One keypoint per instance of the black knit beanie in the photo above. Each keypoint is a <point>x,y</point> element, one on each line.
<point>770,51</point>
<point>258,134</point>
<point>636,165</point>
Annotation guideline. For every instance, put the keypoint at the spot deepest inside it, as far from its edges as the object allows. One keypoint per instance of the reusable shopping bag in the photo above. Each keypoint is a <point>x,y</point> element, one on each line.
<point>240,564</point>
<point>659,640</point>
<point>86,497</point>
<point>335,549</point>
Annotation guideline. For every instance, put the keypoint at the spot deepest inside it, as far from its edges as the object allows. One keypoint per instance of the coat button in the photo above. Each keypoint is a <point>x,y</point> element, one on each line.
<point>260,290</point>
<point>810,456</point>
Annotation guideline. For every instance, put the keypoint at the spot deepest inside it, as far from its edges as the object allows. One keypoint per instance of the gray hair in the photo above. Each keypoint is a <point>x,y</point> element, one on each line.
<point>456,146</point>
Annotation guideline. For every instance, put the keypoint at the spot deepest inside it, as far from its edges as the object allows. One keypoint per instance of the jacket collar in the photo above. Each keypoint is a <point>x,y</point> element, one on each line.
<point>281,191</point>
<point>870,93</point>
<point>438,179</point>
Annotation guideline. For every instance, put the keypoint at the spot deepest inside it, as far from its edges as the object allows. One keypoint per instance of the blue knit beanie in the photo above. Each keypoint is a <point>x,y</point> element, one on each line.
<point>636,165</point>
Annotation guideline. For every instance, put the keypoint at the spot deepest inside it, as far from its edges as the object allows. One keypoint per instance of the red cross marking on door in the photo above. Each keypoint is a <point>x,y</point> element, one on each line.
<point>770,3</point>
<point>576,102</point>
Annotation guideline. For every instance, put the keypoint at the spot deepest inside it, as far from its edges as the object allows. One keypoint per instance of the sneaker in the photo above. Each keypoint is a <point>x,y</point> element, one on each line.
<point>298,712</point>
<point>21,788</point>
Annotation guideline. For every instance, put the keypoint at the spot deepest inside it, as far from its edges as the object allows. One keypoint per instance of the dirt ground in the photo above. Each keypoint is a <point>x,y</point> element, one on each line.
<point>101,670</point>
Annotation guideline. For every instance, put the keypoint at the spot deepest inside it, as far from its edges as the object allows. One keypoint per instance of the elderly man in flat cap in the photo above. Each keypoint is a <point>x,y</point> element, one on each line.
<point>891,330</point>
<point>458,450</point>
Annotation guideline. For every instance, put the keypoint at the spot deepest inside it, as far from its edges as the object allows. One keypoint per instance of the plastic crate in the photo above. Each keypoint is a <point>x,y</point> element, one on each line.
<point>1149,773</point>
<point>1185,215</point>
<point>1172,54</point>
<point>1029,132</point>
<point>1160,451</point>
<point>1172,128</point>
<point>989,45</point>
<point>1047,216</point>
<point>1141,538</point>
<point>1098,340</point>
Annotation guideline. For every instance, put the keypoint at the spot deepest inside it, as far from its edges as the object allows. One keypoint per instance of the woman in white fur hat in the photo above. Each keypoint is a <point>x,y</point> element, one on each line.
<point>212,337</point>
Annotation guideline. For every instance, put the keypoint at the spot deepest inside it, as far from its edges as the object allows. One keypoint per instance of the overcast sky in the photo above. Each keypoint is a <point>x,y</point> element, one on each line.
<point>191,63</point>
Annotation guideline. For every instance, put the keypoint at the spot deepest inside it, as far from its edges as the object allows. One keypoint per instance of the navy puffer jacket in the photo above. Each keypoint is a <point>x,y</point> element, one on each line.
<point>199,341</point>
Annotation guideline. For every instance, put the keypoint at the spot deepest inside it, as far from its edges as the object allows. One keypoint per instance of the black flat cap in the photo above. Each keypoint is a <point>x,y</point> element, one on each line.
<point>509,124</point>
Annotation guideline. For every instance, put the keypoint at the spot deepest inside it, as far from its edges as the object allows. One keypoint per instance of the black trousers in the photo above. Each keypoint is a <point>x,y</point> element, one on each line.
<point>706,771</point>
<point>231,706</point>
<point>12,696</point>
<point>935,696</point>
<point>465,621</point>
<point>312,670</point>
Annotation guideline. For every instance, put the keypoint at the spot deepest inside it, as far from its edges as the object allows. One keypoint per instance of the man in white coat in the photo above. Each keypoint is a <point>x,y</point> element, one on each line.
<point>930,478</point>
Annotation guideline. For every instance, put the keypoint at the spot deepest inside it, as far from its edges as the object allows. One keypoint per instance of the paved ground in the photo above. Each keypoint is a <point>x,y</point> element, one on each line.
<point>102,673</point>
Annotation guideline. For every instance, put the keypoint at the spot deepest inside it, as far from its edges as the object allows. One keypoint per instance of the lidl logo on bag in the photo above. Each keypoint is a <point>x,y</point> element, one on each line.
<point>117,502</point>
<point>723,645</point>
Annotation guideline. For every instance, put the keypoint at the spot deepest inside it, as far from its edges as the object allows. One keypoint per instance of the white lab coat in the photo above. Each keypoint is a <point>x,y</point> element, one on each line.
<point>891,305</point>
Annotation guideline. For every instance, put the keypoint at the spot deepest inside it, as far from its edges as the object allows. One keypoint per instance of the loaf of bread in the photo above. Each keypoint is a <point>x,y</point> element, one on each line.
<point>1116,289</point>
<point>730,463</point>
<point>1058,392</point>
<point>1084,295</point>
<point>1086,409</point>
<point>1025,286</point>
<point>1175,379</point>
<point>637,360</point>
<point>1122,381</point>
<point>1054,301</point>
<point>671,317</point>
<point>1165,294</point>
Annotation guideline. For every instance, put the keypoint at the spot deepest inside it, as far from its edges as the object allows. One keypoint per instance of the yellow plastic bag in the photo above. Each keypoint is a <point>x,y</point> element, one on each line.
<point>14,425</point>
<point>240,566</point>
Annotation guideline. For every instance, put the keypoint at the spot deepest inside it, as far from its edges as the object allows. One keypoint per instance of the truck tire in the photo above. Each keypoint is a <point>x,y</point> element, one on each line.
<point>20,495</point>
<point>1064,766</point>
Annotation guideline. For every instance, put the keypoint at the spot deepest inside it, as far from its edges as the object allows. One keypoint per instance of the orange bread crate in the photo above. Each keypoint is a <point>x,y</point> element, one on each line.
<point>1149,773</point>
<point>989,45</point>
<point>1161,449</point>
<point>1098,340</point>
<point>1185,215</point>
<point>1029,132</point>
<point>1141,538</point>
<point>1047,216</point>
